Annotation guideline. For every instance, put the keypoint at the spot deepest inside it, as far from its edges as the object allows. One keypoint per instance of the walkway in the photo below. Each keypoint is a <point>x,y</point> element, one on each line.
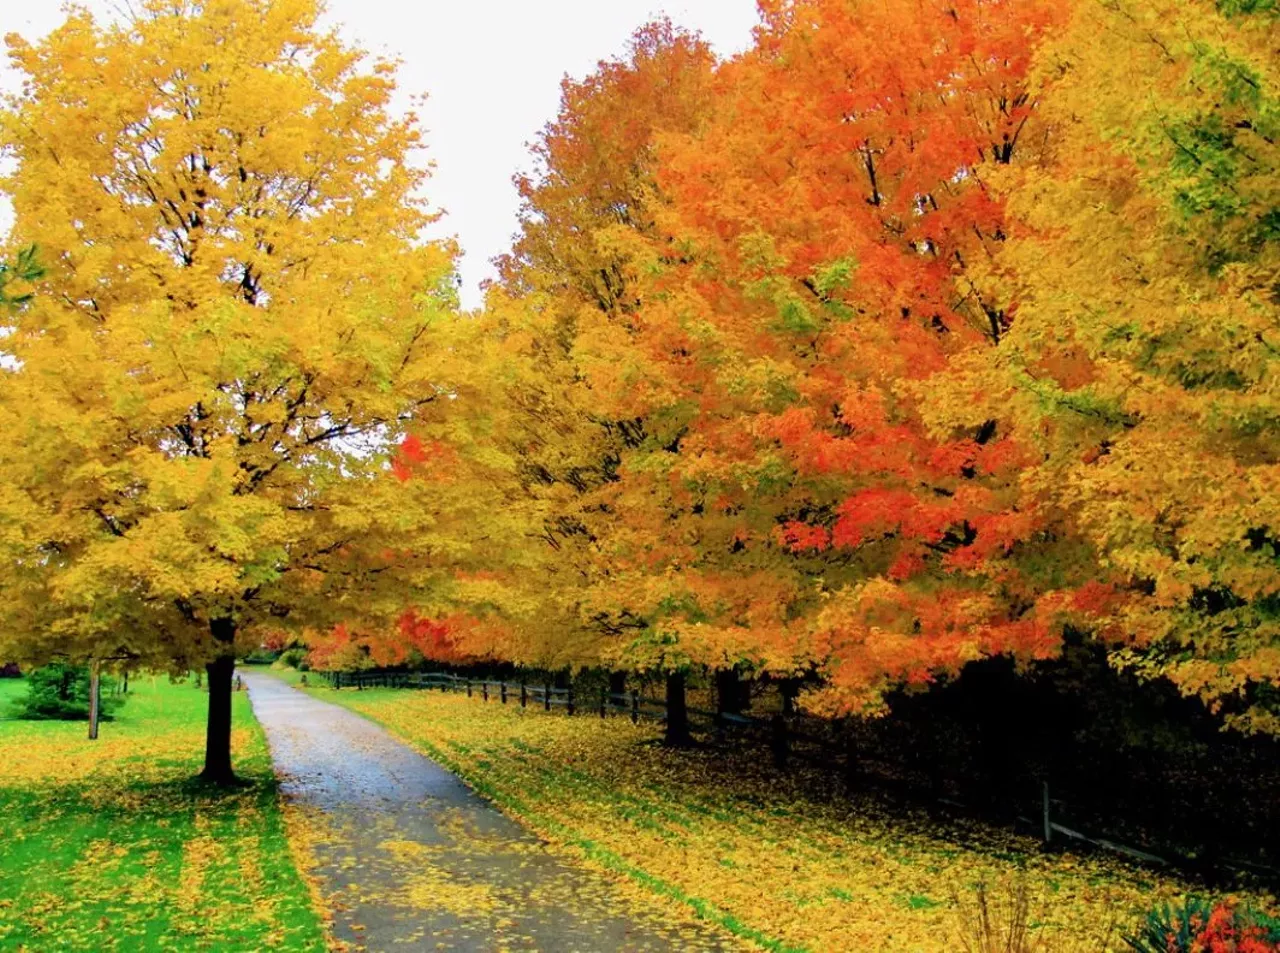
<point>412,859</point>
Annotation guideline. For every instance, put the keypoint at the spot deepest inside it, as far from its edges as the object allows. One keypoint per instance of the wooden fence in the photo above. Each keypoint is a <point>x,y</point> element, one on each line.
<point>540,694</point>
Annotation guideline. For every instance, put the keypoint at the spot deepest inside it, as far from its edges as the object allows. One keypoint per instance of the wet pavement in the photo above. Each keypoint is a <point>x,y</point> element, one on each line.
<point>409,858</point>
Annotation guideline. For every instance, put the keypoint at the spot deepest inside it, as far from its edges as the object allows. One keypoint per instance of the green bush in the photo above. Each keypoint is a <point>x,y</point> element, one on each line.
<point>295,658</point>
<point>261,656</point>
<point>60,692</point>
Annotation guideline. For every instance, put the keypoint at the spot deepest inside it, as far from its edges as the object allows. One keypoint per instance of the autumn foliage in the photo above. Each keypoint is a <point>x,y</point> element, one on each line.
<point>229,332</point>
<point>908,336</point>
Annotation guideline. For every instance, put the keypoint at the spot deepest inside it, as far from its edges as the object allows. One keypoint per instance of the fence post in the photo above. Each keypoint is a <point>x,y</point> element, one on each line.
<point>778,740</point>
<point>524,695</point>
<point>484,689</point>
<point>502,690</point>
<point>569,707</point>
<point>546,696</point>
<point>468,688</point>
<point>1048,826</point>
<point>604,702</point>
<point>635,707</point>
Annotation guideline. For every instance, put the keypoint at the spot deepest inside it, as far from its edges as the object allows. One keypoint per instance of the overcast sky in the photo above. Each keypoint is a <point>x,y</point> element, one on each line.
<point>492,69</point>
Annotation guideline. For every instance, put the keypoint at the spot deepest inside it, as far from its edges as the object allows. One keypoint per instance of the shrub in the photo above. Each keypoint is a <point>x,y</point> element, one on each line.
<point>295,658</point>
<point>60,691</point>
<point>1006,917</point>
<point>994,923</point>
<point>1197,926</point>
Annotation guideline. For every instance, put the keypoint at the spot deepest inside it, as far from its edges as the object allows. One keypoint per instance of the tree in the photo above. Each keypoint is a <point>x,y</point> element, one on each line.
<point>235,329</point>
<point>530,437</point>
<point>787,507</point>
<point>595,168</point>
<point>60,691</point>
<point>1142,364</point>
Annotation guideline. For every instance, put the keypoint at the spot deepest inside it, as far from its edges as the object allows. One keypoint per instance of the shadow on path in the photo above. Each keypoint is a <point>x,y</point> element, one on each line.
<point>410,858</point>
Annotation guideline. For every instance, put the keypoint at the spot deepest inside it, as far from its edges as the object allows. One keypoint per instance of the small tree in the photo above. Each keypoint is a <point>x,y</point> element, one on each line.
<point>62,691</point>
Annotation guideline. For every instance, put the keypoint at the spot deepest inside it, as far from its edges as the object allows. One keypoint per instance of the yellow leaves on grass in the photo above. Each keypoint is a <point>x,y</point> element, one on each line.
<point>110,845</point>
<point>779,859</point>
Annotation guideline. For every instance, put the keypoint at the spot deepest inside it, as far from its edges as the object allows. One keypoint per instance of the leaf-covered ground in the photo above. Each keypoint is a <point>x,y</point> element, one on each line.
<point>109,845</point>
<point>406,857</point>
<point>783,863</point>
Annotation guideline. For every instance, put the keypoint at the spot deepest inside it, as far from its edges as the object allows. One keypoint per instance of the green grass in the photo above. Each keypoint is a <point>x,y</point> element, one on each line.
<point>11,689</point>
<point>111,845</point>
<point>286,674</point>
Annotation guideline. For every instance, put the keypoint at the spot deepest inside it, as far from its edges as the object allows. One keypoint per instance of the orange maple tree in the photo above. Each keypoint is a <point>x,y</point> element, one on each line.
<point>788,507</point>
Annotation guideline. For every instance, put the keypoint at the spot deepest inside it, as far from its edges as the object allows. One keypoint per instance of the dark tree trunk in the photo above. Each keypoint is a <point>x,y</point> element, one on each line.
<point>778,741</point>
<point>125,689</point>
<point>852,762</point>
<point>217,749</point>
<point>617,683</point>
<point>730,691</point>
<point>678,735</point>
<point>789,688</point>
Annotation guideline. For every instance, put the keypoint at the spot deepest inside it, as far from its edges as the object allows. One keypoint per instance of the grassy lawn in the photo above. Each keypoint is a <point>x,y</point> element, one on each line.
<point>785,862</point>
<point>286,674</point>
<point>109,845</point>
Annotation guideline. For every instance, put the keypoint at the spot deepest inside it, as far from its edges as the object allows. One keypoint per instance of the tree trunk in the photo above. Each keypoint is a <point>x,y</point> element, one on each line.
<point>217,749</point>
<point>678,735</point>
<point>617,683</point>
<point>852,765</point>
<point>95,699</point>
<point>729,691</point>
<point>789,688</point>
<point>125,689</point>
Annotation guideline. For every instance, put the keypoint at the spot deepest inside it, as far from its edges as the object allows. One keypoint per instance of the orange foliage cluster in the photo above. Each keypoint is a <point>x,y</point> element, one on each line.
<point>344,649</point>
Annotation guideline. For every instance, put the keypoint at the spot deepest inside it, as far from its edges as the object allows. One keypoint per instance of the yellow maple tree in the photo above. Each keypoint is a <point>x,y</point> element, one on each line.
<point>234,330</point>
<point>1142,266</point>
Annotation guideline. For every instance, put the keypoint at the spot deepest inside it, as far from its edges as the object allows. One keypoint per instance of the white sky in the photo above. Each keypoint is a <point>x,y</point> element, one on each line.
<point>492,69</point>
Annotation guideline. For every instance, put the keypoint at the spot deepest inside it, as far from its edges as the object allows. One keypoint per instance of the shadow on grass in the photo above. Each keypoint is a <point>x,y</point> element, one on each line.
<point>146,864</point>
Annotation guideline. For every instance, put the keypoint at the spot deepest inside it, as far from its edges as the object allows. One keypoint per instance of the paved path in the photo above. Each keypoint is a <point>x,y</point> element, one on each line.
<point>411,859</point>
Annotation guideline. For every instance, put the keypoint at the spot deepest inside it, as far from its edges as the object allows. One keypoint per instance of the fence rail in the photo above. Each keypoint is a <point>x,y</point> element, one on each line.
<point>783,733</point>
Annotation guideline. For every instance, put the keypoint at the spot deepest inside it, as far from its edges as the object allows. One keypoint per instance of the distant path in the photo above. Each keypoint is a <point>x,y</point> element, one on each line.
<point>416,861</point>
